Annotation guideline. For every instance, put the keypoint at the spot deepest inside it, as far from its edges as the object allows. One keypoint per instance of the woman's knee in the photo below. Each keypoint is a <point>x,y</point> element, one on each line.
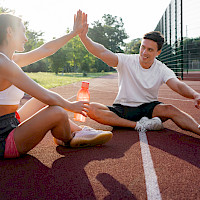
<point>58,113</point>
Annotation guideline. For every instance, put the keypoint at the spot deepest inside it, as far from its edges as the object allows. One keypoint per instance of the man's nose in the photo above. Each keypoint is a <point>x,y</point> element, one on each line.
<point>145,51</point>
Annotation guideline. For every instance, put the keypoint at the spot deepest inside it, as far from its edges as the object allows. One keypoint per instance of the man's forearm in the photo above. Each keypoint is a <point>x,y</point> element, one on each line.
<point>187,91</point>
<point>93,47</point>
<point>100,51</point>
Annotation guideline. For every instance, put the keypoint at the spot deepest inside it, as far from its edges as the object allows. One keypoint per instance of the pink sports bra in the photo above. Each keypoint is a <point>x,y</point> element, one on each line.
<point>11,96</point>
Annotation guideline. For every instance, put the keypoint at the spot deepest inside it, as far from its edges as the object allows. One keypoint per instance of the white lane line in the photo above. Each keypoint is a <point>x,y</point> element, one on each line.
<point>72,97</point>
<point>153,191</point>
<point>176,99</point>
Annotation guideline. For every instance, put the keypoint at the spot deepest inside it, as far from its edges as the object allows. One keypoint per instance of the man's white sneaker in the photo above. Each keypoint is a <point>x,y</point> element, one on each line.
<point>90,137</point>
<point>149,124</point>
<point>139,127</point>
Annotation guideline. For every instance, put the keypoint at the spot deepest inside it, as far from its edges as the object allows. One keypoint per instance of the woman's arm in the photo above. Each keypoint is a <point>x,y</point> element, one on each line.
<point>24,59</point>
<point>11,72</point>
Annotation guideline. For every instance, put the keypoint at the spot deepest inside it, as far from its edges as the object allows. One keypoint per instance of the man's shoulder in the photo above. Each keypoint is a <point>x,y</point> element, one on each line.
<point>161,65</point>
<point>158,62</point>
<point>124,56</point>
<point>165,70</point>
<point>128,55</point>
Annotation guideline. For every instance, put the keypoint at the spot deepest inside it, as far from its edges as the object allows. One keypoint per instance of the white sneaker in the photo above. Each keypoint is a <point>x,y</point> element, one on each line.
<point>139,127</point>
<point>90,137</point>
<point>149,124</point>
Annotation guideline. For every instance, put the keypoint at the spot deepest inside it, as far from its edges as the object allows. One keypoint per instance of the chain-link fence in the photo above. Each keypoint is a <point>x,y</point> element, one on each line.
<point>180,25</point>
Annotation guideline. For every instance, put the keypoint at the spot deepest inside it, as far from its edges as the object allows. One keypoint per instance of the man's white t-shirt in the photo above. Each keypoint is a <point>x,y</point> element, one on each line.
<point>138,85</point>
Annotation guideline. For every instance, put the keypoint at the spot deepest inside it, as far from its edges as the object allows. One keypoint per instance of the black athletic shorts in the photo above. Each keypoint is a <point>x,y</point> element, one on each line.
<point>7,124</point>
<point>134,113</point>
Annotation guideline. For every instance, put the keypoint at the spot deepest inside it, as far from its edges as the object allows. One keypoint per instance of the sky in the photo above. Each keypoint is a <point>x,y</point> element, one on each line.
<point>53,17</point>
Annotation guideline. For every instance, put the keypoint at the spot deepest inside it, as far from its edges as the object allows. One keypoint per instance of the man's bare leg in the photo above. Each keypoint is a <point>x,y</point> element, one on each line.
<point>103,115</point>
<point>180,118</point>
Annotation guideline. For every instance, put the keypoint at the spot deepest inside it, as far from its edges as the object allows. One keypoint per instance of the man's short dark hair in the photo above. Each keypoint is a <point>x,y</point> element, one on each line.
<point>157,37</point>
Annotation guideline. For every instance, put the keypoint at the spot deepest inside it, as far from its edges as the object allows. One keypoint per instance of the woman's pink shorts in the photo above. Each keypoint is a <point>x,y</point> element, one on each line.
<point>10,147</point>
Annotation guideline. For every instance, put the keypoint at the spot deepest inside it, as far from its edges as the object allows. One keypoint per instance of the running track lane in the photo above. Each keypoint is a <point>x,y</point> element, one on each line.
<point>115,170</point>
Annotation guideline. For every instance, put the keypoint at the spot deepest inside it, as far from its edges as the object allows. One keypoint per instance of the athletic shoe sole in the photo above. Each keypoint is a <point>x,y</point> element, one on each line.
<point>99,139</point>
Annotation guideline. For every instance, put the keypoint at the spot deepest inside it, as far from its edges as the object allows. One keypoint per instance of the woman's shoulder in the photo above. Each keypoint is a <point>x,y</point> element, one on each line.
<point>7,66</point>
<point>4,59</point>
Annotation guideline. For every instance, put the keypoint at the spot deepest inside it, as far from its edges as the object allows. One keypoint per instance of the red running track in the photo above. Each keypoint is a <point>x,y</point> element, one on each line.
<point>165,166</point>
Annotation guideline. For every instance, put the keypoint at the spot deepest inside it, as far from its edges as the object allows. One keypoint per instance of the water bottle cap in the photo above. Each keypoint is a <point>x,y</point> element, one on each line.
<point>85,84</point>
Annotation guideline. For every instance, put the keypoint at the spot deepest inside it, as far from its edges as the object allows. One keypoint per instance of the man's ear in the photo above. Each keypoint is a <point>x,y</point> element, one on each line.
<point>159,52</point>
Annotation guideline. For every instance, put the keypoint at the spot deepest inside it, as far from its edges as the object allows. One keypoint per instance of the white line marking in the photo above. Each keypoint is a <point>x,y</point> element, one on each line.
<point>72,97</point>
<point>176,99</point>
<point>153,191</point>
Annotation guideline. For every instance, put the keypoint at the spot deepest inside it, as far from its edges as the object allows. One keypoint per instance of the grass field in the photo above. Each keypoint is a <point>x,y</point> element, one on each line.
<point>51,80</point>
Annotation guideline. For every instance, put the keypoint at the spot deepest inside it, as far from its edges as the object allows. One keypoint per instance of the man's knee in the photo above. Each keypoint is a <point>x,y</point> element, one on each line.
<point>93,107</point>
<point>165,110</point>
<point>95,110</point>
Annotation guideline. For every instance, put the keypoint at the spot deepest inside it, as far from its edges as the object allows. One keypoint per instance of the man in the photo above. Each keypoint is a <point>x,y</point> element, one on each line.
<point>140,77</point>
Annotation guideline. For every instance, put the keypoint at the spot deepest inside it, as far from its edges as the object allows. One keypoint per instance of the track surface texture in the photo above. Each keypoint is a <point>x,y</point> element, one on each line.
<point>153,165</point>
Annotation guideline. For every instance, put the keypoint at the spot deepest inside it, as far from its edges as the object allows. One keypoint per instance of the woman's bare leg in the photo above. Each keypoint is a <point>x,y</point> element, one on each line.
<point>33,106</point>
<point>31,131</point>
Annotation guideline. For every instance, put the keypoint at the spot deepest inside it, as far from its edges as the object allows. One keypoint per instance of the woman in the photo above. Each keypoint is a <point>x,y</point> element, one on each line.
<point>46,110</point>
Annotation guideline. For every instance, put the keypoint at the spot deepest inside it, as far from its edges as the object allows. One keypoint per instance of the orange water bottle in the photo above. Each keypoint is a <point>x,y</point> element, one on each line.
<point>82,95</point>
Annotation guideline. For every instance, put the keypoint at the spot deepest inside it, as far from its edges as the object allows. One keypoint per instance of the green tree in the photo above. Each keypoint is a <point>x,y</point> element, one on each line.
<point>191,52</point>
<point>57,61</point>
<point>34,41</point>
<point>133,47</point>
<point>110,33</point>
<point>77,56</point>
<point>73,57</point>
